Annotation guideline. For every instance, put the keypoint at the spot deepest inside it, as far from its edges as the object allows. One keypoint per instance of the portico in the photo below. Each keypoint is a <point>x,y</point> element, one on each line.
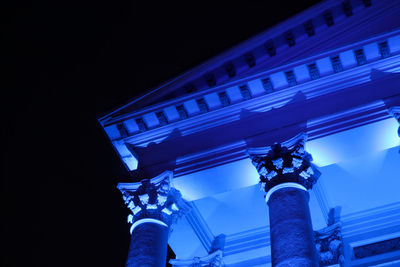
<point>313,124</point>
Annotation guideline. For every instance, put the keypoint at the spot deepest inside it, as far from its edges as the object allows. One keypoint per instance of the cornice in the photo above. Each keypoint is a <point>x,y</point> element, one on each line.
<point>294,24</point>
<point>259,75</point>
<point>312,89</point>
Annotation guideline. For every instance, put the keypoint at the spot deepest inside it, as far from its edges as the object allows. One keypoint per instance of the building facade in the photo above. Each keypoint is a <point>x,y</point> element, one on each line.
<point>282,151</point>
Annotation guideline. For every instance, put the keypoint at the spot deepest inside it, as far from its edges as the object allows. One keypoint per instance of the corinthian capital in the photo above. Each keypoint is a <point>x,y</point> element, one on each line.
<point>329,245</point>
<point>286,162</point>
<point>153,199</point>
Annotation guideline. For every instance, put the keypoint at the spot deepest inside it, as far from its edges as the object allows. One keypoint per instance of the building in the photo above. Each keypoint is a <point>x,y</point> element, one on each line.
<point>324,83</point>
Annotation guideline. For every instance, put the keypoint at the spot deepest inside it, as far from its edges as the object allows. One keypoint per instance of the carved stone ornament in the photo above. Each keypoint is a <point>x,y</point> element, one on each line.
<point>284,163</point>
<point>395,112</point>
<point>153,198</point>
<point>329,245</point>
<point>212,260</point>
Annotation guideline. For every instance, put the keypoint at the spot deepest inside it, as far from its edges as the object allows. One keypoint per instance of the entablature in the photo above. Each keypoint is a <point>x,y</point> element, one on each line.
<point>364,65</point>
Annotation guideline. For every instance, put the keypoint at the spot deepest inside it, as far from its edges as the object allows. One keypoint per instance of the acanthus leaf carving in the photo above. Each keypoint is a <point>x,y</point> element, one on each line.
<point>286,162</point>
<point>153,198</point>
<point>329,245</point>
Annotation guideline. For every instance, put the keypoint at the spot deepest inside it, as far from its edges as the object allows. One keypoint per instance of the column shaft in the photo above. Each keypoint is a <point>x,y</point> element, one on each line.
<point>148,247</point>
<point>292,238</point>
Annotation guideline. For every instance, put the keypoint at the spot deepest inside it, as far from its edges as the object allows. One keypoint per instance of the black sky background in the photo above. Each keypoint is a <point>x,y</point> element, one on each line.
<point>67,63</point>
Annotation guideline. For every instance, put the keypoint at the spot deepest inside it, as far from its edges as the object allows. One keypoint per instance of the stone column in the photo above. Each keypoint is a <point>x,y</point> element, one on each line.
<point>286,173</point>
<point>155,205</point>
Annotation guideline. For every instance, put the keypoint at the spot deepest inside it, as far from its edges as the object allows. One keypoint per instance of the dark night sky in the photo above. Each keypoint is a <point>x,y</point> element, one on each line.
<point>67,64</point>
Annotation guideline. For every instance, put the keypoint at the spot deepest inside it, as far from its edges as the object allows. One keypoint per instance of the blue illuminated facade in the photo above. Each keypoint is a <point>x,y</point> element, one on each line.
<point>282,151</point>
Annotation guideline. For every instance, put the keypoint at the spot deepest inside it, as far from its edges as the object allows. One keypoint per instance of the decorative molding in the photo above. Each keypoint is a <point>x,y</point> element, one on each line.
<point>153,199</point>
<point>199,226</point>
<point>357,229</point>
<point>193,162</point>
<point>262,74</point>
<point>322,199</point>
<point>263,103</point>
<point>368,227</point>
<point>281,186</point>
<point>360,227</point>
<point>146,220</point>
<point>229,114</point>
<point>295,23</point>
<point>218,243</point>
<point>341,121</point>
<point>247,240</point>
<point>395,112</point>
<point>214,259</point>
<point>381,260</point>
<point>316,128</point>
<point>300,139</point>
<point>284,163</point>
